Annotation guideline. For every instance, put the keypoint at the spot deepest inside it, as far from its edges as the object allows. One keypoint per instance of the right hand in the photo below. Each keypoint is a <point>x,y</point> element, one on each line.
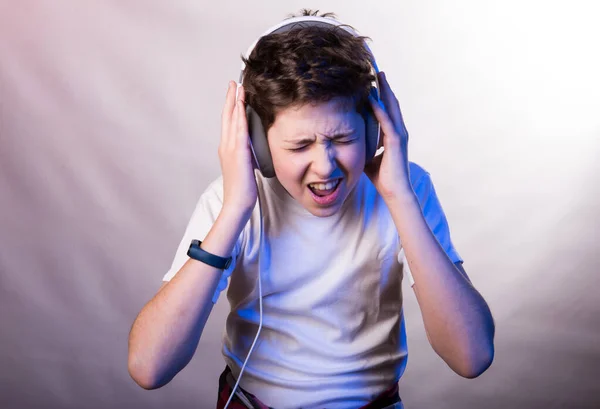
<point>237,164</point>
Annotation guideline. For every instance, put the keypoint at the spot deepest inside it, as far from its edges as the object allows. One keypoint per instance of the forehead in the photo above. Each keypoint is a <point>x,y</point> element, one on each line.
<point>334,116</point>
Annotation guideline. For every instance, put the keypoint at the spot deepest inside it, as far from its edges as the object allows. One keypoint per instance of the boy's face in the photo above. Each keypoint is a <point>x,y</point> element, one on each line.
<point>319,143</point>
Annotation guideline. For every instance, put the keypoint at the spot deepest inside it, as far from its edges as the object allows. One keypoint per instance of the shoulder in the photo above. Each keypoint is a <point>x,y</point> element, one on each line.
<point>418,175</point>
<point>213,191</point>
<point>213,195</point>
<point>210,201</point>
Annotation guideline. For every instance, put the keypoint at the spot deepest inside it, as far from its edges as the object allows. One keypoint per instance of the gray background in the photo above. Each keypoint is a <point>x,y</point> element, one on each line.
<point>109,127</point>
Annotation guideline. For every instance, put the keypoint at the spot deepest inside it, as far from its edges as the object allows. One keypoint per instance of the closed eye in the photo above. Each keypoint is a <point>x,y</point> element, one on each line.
<point>346,142</point>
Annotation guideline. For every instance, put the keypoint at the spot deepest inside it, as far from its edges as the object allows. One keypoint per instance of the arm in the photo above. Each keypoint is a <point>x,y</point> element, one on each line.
<point>457,320</point>
<point>165,334</point>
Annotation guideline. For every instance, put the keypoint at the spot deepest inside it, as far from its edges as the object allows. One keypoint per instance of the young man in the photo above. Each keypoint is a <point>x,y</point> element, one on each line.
<point>339,229</point>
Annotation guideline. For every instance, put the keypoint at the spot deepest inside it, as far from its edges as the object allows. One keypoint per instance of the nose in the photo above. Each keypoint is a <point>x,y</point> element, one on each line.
<point>324,161</point>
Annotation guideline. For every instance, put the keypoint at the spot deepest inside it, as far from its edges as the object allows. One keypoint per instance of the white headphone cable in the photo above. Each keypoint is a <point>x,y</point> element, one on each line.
<point>260,308</point>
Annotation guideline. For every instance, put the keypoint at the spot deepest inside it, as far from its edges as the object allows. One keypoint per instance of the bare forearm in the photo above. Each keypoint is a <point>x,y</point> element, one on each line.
<point>166,332</point>
<point>457,319</point>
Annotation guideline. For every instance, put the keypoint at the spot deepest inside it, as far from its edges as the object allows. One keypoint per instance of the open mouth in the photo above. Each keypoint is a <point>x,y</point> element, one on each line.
<point>323,190</point>
<point>325,194</point>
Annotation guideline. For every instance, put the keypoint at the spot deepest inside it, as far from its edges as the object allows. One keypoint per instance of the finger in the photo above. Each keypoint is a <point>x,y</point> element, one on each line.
<point>227,113</point>
<point>387,126</point>
<point>387,96</point>
<point>241,94</point>
<point>242,122</point>
<point>233,128</point>
<point>391,103</point>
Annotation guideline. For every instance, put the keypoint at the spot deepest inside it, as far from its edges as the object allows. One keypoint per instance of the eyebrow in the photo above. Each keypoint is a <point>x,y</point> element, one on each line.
<point>338,135</point>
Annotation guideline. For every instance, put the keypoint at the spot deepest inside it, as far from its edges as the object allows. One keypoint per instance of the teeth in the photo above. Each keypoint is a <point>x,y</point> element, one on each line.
<point>324,186</point>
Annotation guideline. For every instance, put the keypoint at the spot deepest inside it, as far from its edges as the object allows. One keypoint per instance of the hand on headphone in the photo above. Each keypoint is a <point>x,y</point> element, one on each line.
<point>389,171</point>
<point>237,166</point>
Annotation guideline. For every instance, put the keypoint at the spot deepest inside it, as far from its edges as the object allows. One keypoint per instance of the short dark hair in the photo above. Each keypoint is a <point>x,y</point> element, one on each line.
<point>307,65</point>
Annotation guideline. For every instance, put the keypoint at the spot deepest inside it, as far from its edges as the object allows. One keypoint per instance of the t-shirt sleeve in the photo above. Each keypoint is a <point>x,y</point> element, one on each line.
<point>434,216</point>
<point>205,213</point>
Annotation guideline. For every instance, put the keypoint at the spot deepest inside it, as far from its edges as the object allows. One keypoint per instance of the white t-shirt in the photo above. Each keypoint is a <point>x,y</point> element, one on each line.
<point>333,332</point>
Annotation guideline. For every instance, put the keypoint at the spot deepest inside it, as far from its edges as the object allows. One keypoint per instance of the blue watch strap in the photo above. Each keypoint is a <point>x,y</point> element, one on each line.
<point>197,253</point>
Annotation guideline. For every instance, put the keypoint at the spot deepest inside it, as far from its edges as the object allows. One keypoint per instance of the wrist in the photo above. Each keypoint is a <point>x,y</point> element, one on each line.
<point>234,219</point>
<point>401,194</point>
<point>225,232</point>
<point>402,199</point>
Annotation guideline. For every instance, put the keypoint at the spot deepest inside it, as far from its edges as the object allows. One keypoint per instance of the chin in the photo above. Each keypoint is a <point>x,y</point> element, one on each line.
<point>327,212</point>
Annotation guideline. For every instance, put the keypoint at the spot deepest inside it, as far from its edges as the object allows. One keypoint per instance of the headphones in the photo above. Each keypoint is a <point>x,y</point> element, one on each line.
<point>258,137</point>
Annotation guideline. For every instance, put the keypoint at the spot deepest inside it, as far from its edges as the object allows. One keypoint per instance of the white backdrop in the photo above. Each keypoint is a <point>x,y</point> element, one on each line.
<point>109,127</point>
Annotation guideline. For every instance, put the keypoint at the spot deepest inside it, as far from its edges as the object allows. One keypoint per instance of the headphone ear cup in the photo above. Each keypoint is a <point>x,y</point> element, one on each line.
<point>259,144</point>
<point>372,129</point>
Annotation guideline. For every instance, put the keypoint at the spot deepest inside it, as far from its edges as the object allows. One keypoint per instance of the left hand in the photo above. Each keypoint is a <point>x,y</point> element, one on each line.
<point>389,171</point>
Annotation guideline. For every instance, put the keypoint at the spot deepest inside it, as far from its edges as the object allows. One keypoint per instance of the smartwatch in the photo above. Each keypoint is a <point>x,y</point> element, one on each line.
<point>197,253</point>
